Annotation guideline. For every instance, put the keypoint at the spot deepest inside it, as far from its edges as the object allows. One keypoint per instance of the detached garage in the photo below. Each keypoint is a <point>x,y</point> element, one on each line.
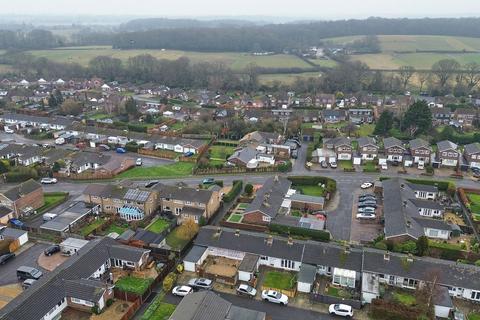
<point>195,257</point>
<point>15,235</point>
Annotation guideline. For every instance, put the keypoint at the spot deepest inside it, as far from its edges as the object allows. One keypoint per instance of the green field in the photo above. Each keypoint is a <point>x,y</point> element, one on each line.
<point>324,62</point>
<point>220,153</point>
<point>233,60</point>
<point>178,169</point>
<point>5,68</point>
<point>285,78</point>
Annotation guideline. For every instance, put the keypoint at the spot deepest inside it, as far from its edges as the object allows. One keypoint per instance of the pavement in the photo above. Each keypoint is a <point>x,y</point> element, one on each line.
<point>8,271</point>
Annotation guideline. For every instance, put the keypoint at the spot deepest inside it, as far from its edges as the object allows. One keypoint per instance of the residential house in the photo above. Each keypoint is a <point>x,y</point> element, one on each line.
<point>342,147</point>
<point>83,283</point>
<point>129,203</point>
<point>394,149</point>
<point>250,157</point>
<point>420,151</point>
<point>23,155</point>
<point>367,148</point>
<point>408,215</point>
<point>23,121</point>
<point>24,198</point>
<point>259,137</point>
<point>179,145</point>
<point>471,153</point>
<point>206,304</point>
<point>465,117</point>
<point>441,116</point>
<point>325,100</point>
<point>360,116</point>
<point>188,203</point>
<point>447,154</point>
<point>82,161</point>
<point>17,236</point>
<point>333,116</point>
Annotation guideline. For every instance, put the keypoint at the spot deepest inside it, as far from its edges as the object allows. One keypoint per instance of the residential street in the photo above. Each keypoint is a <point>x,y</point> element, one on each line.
<point>8,271</point>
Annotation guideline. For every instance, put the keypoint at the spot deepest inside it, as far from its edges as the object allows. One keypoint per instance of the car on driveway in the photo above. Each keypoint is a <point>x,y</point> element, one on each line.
<point>246,290</point>
<point>366,210</point>
<point>201,283</point>
<point>339,309</point>
<point>367,204</point>
<point>139,162</point>
<point>274,297</point>
<point>333,165</point>
<point>182,291</point>
<point>366,185</point>
<point>324,164</point>
<point>51,250</point>
<point>367,196</point>
<point>48,181</point>
<point>365,215</point>
<point>6,257</point>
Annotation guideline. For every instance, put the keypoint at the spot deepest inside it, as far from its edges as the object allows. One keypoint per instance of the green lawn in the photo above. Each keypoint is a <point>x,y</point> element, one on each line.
<point>345,164</point>
<point>115,228</point>
<point>296,213</point>
<point>51,200</point>
<point>439,244</point>
<point>366,130</point>
<point>86,230</point>
<point>158,226</point>
<point>175,241</point>
<point>235,218</point>
<point>220,153</point>
<point>99,116</point>
<point>405,298</point>
<point>133,284</point>
<point>369,166</point>
<point>474,202</point>
<point>243,206</point>
<point>163,312</point>
<point>177,169</point>
<point>315,191</point>
<point>279,280</point>
<point>338,292</point>
<point>474,316</point>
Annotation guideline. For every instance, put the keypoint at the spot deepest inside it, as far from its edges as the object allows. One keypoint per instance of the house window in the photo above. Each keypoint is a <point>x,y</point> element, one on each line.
<point>475,295</point>
<point>288,264</point>
<point>264,258</point>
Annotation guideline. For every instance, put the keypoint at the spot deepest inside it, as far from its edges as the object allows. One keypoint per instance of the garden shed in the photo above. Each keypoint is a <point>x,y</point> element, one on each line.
<point>306,278</point>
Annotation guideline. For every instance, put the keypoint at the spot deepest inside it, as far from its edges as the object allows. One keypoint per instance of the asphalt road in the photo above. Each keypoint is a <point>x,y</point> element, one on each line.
<point>275,311</point>
<point>8,271</point>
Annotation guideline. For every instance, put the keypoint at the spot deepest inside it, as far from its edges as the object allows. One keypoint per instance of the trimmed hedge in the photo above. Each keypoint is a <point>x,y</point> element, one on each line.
<point>235,191</point>
<point>441,185</point>
<point>330,184</point>
<point>318,235</point>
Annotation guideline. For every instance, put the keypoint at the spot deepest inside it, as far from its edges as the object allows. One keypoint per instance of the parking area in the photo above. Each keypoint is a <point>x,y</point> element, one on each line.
<point>365,230</point>
<point>50,263</point>
<point>8,271</point>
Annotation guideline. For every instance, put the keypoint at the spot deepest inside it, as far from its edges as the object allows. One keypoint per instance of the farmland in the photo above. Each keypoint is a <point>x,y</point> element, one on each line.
<point>234,60</point>
<point>286,78</point>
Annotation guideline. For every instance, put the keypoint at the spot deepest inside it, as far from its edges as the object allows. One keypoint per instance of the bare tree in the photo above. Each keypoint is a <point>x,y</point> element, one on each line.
<point>444,69</point>
<point>472,74</point>
<point>423,78</point>
<point>406,73</point>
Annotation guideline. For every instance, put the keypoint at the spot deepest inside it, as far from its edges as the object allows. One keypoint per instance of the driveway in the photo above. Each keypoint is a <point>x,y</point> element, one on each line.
<point>8,271</point>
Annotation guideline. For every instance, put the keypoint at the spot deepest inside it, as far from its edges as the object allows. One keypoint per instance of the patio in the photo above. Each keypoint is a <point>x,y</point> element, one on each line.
<point>221,267</point>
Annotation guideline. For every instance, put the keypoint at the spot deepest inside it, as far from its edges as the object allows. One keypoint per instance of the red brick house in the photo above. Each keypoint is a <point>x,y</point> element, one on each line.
<point>23,198</point>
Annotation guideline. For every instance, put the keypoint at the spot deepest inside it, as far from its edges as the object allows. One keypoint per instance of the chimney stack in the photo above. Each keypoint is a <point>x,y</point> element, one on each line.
<point>290,241</point>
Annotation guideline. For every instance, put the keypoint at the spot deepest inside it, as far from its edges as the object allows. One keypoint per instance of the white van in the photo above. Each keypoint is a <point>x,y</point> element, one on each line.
<point>8,130</point>
<point>49,216</point>
<point>421,165</point>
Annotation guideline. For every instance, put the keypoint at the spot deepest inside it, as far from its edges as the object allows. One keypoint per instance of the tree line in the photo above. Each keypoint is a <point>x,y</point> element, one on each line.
<point>34,39</point>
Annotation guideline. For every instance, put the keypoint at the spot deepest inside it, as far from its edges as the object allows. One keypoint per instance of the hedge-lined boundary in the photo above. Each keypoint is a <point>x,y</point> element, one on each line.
<point>235,191</point>
<point>318,235</point>
<point>330,184</point>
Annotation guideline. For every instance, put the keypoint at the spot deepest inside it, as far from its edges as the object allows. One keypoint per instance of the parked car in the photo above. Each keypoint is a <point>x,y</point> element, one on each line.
<point>208,181</point>
<point>339,309</point>
<point>366,198</point>
<point>52,250</point>
<point>6,257</point>
<point>246,290</point>
<point>384,166</point>
<point>366,210</point>
<point>201,283</point>
<point>139,162</point>
<point>367,201</point>
<point>366,185</point>
<point>333,165</point>
<point>24,273</point>
<point>8,130</point>
<point>27,283</point>
<point>48,181</point>
<point>367,204</point>
<point>188,154</point>
<point>151,183</point>
<point>324,164</point>
<point>121,150</point>
<point>366,215</point>
<point>104,147</point>
<point>275,297</point>
<point>182,291</point>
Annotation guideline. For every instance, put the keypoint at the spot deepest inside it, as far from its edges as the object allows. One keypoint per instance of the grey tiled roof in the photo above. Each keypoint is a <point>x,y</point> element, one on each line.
<point>270,196</point>
<point>89,290</point>
<point>183,193</point>
<point>446,145</point>
<point>364,141</point>
<point>23,188</point>
<point>418,143</point>
<point>392,142</point>
<point>472,148</point>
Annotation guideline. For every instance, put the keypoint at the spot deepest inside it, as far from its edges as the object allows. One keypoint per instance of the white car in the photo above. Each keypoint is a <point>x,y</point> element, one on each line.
<point>365,215</point>
<point>139,162</point>
<point>182,291</point>
<point>48,181</point>
<point>366,185</point>
<point>339,309</point>
<point>275,297</point>
<point>246,290</point>
<point>384,166</point>
<point>366,210</point>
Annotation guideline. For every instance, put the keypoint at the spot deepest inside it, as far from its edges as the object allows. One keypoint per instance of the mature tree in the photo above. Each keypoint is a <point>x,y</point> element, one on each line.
<point>131,107</point>
<point>422,245</point>
<point>188,229</point>
<point>472,74</point>
<point>71,107</point>
<point>106,67</point>
<point>406,73</point>
<point>423,77</point>
<point>384,123</point>
<point>444,69</point>
<point>418,118</point>
<point>350,129</point>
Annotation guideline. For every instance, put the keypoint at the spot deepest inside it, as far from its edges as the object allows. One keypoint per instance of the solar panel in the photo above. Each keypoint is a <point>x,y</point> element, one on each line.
<point>136,195</point>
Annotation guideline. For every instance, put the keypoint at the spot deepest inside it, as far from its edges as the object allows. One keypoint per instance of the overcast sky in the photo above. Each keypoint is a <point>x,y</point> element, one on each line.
<point>322,9</point>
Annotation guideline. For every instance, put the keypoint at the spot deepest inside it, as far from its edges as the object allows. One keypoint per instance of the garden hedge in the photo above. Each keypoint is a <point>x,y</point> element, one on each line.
<point>318,235</point>
<point>441,185</point>
<point>235,191</point>
<point>330,184</point>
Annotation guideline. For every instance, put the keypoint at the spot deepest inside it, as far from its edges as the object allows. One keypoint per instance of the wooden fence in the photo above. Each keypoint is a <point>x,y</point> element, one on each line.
<point>234,170</point>
<point>289,293</point>
<point>244,226</point>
